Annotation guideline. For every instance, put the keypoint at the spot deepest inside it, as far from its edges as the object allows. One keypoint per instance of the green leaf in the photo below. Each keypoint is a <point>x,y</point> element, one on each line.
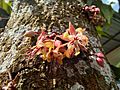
<point>116,71</point>
<point>106,26</point>
<point>106,11</point>
<point>89,2</point>
<point>100,31</point>
<point>6,6</point>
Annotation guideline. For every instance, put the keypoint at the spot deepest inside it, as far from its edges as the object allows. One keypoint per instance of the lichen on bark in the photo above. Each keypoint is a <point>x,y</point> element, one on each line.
<point>35,74</point>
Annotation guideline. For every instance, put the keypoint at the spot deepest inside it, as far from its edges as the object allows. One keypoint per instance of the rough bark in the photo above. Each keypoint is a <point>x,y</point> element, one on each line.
<point>84,74</point>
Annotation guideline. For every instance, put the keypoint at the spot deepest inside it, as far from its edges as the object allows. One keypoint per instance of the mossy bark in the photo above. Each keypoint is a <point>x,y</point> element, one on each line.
<point>54,15</point>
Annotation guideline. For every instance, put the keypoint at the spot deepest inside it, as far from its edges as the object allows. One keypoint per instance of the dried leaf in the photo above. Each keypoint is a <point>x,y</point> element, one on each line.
<point>30,33</point>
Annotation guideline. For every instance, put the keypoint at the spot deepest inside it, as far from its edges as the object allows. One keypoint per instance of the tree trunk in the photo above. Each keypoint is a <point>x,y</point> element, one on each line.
<point>84,74</point>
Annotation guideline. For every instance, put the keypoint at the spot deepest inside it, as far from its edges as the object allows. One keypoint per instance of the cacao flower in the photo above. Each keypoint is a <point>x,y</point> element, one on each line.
<point>100,61</point>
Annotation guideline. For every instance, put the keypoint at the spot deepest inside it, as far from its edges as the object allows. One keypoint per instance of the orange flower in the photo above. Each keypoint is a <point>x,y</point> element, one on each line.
<point>68,53</point>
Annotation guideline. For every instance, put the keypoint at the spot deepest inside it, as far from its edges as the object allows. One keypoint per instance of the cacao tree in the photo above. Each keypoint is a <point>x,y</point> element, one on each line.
<point>53,45</point>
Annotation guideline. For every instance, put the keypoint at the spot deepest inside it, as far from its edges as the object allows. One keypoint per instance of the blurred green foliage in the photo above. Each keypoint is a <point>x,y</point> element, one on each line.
<point>6,5</point>
<point>116,71</point>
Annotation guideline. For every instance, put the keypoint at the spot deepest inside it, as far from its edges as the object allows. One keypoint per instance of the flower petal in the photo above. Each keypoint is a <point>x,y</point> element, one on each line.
<point>77,53</point>
<point>65,34</point>
<point>49,56</point>
<point>58,56</point>
<point>77,48</point>
<point>62,37</point>
<point>60,60</point>
<point>57,43</point>
<point>39,42</point>
<point>41,35</point>
<point>100,54</point>
<point>100,61</point>
<point>80,30</point>
<point>84,40</point>
<point>69,51</point>
<point>71,29</point>
<point>49,44</point>
<point>34,51</point>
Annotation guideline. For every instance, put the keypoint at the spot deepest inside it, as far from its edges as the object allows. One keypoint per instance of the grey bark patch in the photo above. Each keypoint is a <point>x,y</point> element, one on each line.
<point>77,86</point>
<point>81,67</point>
<point>12,41</point>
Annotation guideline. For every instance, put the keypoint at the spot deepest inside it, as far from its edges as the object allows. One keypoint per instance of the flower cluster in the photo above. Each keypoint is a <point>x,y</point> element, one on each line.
<point>100,59</point>
<point>57,47</point>
<point>91,10</point>
<point>93,14</point>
